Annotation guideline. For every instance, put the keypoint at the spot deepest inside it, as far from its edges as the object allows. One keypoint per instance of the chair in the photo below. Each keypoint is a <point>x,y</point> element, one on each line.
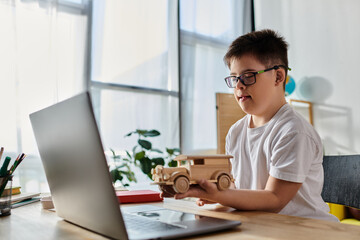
<point>228,112</point>
<point>342,184</point>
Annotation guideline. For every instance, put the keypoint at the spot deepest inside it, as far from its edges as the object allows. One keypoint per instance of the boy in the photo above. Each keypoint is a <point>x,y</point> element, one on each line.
<point>277,162</point>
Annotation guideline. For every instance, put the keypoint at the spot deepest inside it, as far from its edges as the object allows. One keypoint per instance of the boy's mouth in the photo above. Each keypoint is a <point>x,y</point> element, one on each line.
<point>244,98</point>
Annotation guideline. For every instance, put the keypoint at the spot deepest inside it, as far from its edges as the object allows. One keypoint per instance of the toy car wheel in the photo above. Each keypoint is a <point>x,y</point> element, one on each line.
<point>223,182</point>
<point>181,184</point>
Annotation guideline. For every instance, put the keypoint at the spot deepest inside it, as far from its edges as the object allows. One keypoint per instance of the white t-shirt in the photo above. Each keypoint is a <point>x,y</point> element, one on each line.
<point>287,148</point>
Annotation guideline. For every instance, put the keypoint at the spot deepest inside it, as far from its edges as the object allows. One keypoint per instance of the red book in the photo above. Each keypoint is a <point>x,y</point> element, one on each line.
<point>136,196</point>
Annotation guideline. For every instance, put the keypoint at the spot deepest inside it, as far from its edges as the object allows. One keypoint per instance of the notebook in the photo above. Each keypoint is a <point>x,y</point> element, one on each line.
<point>138,196</point>
<point>75,165</point>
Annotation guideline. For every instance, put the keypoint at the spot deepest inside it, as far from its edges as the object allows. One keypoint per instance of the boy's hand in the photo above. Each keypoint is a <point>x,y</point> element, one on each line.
<point>166,191</point>
<point>201,202</point>
<point>205,191</point>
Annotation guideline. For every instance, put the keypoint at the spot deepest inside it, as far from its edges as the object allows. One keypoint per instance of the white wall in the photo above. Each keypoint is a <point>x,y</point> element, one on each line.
<point>324,38</point>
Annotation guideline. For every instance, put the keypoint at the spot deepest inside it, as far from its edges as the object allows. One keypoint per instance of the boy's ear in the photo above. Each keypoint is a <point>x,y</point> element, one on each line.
<point>280,77</point>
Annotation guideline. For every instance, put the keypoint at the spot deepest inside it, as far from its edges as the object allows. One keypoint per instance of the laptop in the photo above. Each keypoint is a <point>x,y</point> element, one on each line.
<point>76,169</point>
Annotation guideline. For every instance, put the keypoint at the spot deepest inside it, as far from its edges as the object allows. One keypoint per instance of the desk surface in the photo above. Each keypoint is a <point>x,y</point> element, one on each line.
<point>32,222</point>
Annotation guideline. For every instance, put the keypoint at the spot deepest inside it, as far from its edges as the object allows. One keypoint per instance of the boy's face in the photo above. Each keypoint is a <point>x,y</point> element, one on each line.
<point>260,98</point>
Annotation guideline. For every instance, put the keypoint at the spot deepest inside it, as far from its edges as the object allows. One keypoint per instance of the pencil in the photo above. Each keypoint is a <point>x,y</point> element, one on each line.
<point>17,163</point>
<point>3,170</point>
<point>23,156</point>
<point>14,164</point>
<point>1,152</point>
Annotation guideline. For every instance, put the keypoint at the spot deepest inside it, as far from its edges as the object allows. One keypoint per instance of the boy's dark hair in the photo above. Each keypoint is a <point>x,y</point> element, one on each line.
<point>267,46</point>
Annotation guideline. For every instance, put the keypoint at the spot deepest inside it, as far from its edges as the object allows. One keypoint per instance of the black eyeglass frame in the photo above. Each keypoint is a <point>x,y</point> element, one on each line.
<point>229,79</point>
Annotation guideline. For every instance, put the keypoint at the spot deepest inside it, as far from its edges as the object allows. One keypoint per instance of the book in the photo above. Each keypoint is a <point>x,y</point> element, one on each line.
<point>137,196</point>
<point>19,197</point>
<point>24,202</point>
<point>14,191</point>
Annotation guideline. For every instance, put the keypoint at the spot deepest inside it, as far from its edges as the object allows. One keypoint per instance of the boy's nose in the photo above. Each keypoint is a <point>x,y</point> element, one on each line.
<point>239,85</point>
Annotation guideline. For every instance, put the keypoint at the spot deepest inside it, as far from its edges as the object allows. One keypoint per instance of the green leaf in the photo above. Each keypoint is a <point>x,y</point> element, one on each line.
<point>145,165</point>
<point>134,178</point>
<point>156,150</point>
<point>115,175</point>
<point>123,172</point>
<point>129,134</point>
<point>141,132</point>
<point>127,152</point>
<point>151,133</point>
<point>129,176</point>
<point>121,166</point>
<point>113,152</point>
<point>145,144</point>
<point>172,163</point>
<point>134,149</point>
<point>114,156</point>
<point>158,161</point>
<point>139,155</point>
<point>170,151</point>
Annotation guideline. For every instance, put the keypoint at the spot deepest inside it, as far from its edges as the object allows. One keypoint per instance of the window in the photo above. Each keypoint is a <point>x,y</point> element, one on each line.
<point>199,162</point>
<point>42,52</point>
<point>134,75</point>
<point>206,30</point>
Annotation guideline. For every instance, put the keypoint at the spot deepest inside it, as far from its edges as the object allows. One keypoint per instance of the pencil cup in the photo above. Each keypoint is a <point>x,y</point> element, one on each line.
<point>5,195</point>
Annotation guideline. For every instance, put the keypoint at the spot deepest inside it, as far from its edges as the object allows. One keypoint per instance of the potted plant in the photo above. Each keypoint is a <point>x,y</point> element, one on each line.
<point>143,155</point>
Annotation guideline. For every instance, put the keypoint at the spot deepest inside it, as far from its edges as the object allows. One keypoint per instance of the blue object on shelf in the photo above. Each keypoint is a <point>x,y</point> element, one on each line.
<point>290,85</point>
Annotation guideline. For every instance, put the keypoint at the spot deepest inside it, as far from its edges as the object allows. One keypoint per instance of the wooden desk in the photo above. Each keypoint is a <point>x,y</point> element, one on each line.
<point>32,222</point>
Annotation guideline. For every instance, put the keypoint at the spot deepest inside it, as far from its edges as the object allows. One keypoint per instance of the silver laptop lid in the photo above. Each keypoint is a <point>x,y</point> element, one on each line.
<point>73,157</point>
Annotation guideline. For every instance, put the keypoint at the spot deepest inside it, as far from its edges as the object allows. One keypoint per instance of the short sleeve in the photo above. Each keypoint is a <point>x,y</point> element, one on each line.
<point>227,149</point>
<point>227,142</point>
<point>293,156</point>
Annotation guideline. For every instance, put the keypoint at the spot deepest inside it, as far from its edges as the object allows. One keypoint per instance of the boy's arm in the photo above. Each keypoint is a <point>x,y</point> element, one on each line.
<point>273,198</point>
<point>202,202</point>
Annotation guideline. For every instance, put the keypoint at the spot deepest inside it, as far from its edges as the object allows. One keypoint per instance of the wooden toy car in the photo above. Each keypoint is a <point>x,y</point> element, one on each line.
<point>214,168</point>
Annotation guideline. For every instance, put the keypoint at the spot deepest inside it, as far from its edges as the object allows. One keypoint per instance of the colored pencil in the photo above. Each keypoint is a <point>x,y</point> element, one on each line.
<point>14,164</point>
<point>17,163</point>
<point>1,152</point>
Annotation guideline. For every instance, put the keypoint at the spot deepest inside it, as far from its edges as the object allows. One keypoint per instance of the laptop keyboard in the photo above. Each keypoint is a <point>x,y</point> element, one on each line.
<point>136,223</point>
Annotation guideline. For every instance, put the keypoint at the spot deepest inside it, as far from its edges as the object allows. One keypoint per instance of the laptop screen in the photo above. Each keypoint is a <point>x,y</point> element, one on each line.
<point>75,165</point>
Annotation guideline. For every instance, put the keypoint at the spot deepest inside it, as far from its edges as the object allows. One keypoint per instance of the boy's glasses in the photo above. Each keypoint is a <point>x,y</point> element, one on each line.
<point>249,78</point>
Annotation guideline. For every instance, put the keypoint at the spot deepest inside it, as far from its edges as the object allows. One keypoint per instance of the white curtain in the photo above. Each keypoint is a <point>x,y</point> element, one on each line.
<point>42,61</point>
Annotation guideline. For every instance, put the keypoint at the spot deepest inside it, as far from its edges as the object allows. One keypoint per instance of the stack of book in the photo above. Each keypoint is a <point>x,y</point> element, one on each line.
<point>19,199</point>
